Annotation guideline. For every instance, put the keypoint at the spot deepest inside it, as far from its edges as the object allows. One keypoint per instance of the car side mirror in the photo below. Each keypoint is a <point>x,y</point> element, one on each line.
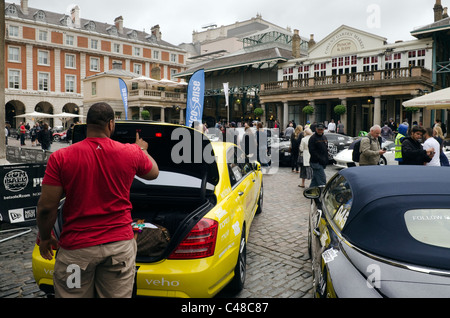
<point>256,166</point>
<point>312,193</point>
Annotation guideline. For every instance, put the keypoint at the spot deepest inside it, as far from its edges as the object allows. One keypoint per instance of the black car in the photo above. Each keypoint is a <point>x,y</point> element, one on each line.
<point>381,231</point>
<point>336,143</point>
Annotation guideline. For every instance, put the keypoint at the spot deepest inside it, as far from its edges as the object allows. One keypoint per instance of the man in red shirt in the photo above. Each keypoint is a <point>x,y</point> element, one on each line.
<point>95,176</point>
<point>22,133</point>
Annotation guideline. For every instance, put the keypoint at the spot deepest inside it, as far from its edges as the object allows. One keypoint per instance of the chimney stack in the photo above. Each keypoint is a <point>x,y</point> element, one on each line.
<point>445,15</point>
<point>24,6</point>
<point>75,15</point>
<point>119,24</point>
<point>156,31</point>
<point>438,11</point>
<point>296,41</point>
<point>311,42</point>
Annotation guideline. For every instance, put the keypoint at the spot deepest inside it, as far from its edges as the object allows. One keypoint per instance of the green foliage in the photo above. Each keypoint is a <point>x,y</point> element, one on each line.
<point>412,109</point>
<point>258,112</point>
<point>308,109</point>
<point>145,114</point>
<point>340,109</point>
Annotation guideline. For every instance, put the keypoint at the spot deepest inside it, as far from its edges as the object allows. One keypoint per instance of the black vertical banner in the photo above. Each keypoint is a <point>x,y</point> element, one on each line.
<point>20,191</point>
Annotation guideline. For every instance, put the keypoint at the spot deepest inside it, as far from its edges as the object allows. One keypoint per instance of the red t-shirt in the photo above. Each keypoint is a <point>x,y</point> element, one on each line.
<point>96,175</point>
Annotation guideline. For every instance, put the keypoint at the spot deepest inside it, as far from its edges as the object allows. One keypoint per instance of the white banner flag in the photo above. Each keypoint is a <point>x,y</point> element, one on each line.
<point>225,90</point>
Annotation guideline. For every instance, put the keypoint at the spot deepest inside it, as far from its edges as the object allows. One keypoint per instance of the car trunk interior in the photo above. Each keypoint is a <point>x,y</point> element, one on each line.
<point>175,208</point>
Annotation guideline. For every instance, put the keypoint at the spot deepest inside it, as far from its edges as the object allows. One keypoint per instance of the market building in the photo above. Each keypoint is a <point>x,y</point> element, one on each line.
<point>359,70</point>
<point>368,76</point>
<point>48,55</point>
<point>244,55</point>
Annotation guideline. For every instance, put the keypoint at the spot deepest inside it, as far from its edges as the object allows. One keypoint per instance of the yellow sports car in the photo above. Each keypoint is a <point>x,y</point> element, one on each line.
<point>206,197</point>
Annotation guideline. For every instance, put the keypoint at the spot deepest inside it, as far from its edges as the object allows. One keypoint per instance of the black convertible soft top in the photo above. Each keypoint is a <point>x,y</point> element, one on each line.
<point>381,197</point>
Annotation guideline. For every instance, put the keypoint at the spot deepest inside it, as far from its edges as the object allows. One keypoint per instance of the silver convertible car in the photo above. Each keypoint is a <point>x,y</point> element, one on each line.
<point>381,231</point>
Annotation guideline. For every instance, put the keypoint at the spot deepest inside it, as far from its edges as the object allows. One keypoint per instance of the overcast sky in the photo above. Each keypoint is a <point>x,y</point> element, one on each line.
<point>392,19</point>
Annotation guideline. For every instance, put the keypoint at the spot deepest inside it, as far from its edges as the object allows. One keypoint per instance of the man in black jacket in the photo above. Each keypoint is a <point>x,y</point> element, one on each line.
<point>318,148</point>
<point>412,150</point>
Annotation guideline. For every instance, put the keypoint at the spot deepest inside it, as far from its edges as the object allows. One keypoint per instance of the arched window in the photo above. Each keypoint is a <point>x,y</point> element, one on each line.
<point>11,10</point>
<point>90,26</point>
<point>39,16</point>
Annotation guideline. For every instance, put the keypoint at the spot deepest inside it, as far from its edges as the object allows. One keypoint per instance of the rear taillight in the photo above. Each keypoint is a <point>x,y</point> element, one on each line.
<point>199,243</point>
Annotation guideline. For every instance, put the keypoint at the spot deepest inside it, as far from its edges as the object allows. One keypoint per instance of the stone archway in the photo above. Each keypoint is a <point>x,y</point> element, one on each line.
<point>14,108</point>
<point>70,108</point>
<point>47,108</point>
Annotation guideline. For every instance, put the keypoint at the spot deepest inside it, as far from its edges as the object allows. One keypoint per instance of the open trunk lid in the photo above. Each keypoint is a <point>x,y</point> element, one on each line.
<point>175,148</point>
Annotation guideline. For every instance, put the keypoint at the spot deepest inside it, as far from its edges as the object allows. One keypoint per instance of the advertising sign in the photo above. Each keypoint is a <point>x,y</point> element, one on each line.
<point>20,191</point>
<point>124,94</point>
<point>195,98</point>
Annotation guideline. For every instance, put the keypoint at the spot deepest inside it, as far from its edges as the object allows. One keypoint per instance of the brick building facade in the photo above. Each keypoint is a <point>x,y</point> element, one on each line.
<point>47,56</point>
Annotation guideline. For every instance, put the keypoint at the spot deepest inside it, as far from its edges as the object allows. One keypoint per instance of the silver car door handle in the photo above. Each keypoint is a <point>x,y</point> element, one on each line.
<point>241,193</point>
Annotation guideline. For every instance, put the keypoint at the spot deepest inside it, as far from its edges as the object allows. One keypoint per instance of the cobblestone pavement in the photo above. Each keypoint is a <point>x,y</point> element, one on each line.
<point>278,265</point>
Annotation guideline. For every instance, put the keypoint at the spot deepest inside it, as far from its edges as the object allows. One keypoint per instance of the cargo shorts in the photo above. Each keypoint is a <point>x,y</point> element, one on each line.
<point>104,271</point>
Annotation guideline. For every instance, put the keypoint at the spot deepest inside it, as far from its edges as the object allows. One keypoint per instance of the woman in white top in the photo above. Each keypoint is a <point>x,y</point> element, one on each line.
<point>306,170</point>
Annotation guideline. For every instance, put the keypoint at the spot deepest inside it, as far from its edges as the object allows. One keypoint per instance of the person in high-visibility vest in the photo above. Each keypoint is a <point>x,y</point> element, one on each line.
<point>402,133</point>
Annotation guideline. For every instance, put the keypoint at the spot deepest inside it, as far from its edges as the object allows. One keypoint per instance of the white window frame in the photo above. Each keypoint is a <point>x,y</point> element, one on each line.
<point>92,46</point>
<point>137,68</point>
<point>15,28</point>
<point>137,51</point>
<point>16,76</point>
<point>42,61</point>
<point>156,55</point>
<point>41,37</point>
<point>73,80</point>
<point>97,69</point>
<point>94,88</point>
<point>11,56</point>
<point>68,41</point>
<point>417,60</point>
<point>173,57</point>
<point>288,74</point>
<point>173,72</point>
<point>117,48</point>
<point>43,85</point>
<point>72,65</point>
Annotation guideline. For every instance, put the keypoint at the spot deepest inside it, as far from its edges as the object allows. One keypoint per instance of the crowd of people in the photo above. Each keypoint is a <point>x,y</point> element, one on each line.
<point>415,145</point>
<point>40,134</point>
<point>309,151</point>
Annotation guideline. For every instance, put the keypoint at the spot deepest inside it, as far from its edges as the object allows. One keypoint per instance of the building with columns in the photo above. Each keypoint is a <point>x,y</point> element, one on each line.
<point>163,100</point>
<point>356,69</point>
<point>244,55</point>
<point>48,55</point>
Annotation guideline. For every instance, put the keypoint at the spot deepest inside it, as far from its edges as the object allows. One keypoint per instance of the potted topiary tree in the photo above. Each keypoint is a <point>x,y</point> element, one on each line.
<point>258,112</point>
<point>145,114</point>
<point>340,109</point>
<point>308,110</point>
